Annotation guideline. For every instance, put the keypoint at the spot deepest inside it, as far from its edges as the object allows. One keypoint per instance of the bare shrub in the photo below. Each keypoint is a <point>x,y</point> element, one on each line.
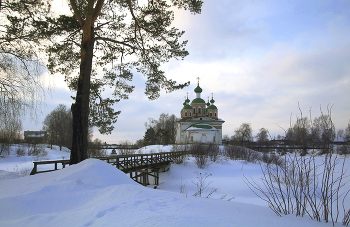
<point>20,151</point>
<point>272,159</point>
<point>37,150</point>
<point>202,183</point>
<point>213,152</point>
<point>4,148</point>
<point>346,219</point>
<point>181,158</point>
<point>252,156</point>
<point>200,153</point>
<point>343,149</point>
<point>303,187</point>
<point>242,153</point>
<point>182,187</point>
<point>25,171</point>
<point>233,152</point>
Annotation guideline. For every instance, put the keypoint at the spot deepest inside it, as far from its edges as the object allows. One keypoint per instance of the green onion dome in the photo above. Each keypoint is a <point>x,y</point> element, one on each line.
<point>198,89</point>
<point>187,107</point>
<point>212,107</point>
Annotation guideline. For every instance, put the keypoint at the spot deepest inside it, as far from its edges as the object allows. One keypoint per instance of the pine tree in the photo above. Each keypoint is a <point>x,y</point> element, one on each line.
<point>113,37</point>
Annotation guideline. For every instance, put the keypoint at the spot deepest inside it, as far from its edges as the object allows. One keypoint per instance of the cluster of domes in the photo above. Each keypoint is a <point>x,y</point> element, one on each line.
<point>198,107</point>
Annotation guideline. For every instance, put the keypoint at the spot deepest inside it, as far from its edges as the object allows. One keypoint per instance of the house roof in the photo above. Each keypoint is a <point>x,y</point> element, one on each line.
<point>34,133</point>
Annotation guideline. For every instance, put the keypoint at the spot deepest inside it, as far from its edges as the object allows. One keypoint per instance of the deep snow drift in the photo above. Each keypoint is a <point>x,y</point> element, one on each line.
<point>94,193</point>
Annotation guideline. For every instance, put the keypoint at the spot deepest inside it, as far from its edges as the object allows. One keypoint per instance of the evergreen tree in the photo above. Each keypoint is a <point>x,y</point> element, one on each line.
<point>163,130</point>
<point>150,137</point>
<point>112,37</point>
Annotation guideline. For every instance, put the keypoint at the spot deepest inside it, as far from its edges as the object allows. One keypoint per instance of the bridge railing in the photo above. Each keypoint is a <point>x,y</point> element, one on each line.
<point>63,162</point>
<point>122,162</point>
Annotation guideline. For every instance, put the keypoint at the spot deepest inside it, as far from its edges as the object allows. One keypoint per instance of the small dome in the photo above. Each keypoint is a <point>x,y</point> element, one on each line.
<point>187,100</point>
<point>187,107</point>
<point>212,107</point>
<point>198,89</point>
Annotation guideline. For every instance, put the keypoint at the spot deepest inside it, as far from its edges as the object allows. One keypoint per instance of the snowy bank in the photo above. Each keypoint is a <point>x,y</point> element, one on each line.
<point>94,193</point>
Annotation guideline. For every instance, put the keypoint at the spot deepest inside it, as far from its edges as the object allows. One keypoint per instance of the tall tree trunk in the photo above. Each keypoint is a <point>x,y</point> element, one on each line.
<point>80,109</point>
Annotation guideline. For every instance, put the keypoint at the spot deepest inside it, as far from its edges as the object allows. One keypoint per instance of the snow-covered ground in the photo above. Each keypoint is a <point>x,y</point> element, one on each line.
<point>94,193</point>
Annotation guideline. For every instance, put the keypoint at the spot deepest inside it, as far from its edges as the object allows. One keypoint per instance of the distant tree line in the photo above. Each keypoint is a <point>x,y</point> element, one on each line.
<point>304,132</point>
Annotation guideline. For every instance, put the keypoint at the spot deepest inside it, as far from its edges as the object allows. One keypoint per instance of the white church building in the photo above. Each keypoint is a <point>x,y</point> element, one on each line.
<point>199,122</point>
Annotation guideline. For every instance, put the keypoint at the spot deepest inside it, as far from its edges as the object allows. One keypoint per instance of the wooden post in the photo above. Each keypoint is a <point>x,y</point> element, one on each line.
<point>34,169</point>
<point>55,165</point>
<point>144,175</point>
<point>156,176</point>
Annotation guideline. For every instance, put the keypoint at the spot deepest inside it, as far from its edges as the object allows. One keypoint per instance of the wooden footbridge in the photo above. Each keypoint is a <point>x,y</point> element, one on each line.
<point>139,166</point>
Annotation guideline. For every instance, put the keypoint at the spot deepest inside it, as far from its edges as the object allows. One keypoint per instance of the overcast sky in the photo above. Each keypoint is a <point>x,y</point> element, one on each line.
<point>259,59</point>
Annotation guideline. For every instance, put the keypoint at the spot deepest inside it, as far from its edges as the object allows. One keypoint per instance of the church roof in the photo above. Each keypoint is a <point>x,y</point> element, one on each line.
<point>198,100</point>
<point>201,126</point>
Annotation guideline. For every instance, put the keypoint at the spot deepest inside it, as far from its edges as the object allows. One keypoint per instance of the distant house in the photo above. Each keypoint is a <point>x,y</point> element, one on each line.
<point>35,137</point>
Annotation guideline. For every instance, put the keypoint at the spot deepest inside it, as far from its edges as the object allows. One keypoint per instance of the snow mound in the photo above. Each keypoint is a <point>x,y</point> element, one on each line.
<point>58,191</point>
<point>95,173</point>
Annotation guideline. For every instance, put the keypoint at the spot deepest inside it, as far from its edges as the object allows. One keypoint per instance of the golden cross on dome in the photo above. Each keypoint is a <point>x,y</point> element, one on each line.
<point>212,95</point>
<point>198,80</point>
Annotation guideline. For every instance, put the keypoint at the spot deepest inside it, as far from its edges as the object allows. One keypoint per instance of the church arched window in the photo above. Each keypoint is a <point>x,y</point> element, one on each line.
<point>215,114</point>
<point>194,110</point>
<point>185,113</point>
<point>190,113</point>
<point>211,114</point>
<point>199,110</point>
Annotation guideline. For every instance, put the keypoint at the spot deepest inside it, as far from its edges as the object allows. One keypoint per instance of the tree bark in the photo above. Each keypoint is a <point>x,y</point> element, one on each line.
<point>80,109</point>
